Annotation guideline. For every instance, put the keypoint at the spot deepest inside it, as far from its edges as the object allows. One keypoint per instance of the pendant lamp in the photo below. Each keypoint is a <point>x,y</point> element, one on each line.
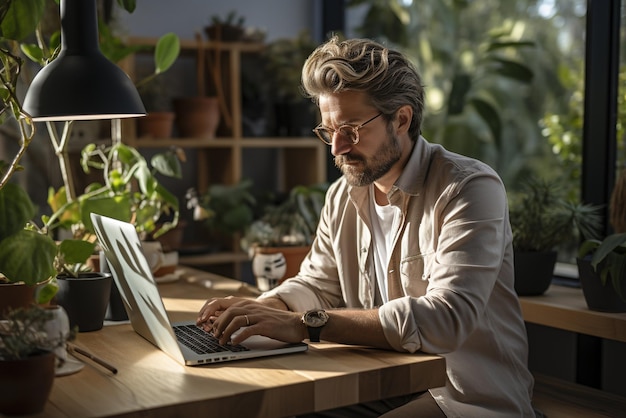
<point>81,83</point>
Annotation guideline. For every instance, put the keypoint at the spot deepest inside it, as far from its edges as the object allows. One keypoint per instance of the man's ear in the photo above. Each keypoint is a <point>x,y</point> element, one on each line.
<point>404,115</point>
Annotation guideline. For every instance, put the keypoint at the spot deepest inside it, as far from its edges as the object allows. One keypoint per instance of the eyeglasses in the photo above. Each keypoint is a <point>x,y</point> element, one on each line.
<point>346,131</point>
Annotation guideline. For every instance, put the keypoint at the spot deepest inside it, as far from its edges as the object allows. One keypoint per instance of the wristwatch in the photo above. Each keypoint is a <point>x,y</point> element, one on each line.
<point>314,320</point>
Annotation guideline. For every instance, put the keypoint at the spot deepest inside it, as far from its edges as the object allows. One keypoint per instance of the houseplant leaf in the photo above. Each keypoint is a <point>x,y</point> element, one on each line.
<point>16,209</point>
<point>76,251</point>
<point>27,256</point>
<point>21,18</point>
<point>608,245</point>
<point>167,164</point>
<point>166,52</point>
<point>118,207</point>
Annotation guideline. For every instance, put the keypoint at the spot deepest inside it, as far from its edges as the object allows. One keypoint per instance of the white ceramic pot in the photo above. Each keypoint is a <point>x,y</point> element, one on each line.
<point>268,269</point>
<point>57,330</point>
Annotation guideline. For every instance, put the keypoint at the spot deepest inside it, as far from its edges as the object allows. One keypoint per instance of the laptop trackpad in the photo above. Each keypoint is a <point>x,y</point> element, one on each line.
<point>259,342</point>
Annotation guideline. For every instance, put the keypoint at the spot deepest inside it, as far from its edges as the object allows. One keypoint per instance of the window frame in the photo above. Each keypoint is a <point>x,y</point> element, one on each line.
<point>600,103</point>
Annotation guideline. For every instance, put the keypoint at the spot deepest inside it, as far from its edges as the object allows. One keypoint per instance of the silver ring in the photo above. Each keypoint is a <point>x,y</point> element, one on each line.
<point>247,320</point>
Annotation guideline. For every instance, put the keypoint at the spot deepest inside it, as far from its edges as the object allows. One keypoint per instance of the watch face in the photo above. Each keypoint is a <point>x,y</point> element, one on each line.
<point>316,318</point>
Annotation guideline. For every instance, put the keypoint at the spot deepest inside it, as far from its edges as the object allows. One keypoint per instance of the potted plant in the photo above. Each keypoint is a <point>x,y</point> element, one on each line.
<point>28,354</point>
<point>27,251</point>
<point>29,257</point>
<point>130,190</point>
<point>225,210</point>
<point>83,292</point>
<point>602,273</point>
<point>34,267</point>
<point>602,263</point>
<point>199,116</point>
<point>227,29</point>
<point>294,114</point>
<point>540,221</point>
<point>159,121</point>
<point>287,229</point>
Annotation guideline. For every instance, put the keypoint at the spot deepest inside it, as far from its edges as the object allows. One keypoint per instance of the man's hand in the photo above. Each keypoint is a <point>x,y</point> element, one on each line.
<point>268,317</point>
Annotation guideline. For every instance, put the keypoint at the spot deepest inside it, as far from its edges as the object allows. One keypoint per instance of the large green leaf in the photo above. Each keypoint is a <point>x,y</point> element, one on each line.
<point>128,5</point>
<point>167,164</point>
<point>146,181</point>
<point>75,251</point>
<point>118,207</point>
<point>16,209</point>
<point>21,18</point>
<point>488,110</point>
<point>513,69</point>
<point>608,245</point>
<point>166,52</point>
<point>461,85</point>
<point>509,44</point>
<point>27,256</point>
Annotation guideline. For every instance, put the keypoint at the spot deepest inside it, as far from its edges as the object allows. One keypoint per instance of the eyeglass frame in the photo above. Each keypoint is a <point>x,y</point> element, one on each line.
<point>355,130</point>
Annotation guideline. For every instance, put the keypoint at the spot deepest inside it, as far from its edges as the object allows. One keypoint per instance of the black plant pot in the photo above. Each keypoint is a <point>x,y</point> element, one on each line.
<point>533,272</point>
<point>599,297</point>
<point>85,299</point>
<point>116,310</point>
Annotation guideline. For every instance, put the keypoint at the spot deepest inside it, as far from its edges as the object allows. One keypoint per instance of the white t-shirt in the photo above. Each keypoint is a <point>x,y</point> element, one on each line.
<point>384,223</point>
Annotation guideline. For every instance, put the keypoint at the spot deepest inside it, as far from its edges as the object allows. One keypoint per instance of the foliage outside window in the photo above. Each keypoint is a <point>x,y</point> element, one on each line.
<point>503,79</point>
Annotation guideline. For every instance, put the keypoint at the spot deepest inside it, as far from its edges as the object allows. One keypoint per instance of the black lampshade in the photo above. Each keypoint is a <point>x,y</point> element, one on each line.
<point>81,83</point>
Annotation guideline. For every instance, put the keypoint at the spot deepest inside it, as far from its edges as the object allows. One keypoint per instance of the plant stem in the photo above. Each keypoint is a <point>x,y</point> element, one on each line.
<point>60,150</point>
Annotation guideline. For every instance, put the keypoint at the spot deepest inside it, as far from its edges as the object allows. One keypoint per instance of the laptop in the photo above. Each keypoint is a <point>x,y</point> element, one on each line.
<point>183,341</point>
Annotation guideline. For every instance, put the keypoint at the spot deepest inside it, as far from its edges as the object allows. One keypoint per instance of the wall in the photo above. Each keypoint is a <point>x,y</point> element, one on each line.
<point>279,18</point>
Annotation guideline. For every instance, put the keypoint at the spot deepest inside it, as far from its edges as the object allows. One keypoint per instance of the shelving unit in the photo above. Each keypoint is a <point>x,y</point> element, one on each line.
<point>301,160</point>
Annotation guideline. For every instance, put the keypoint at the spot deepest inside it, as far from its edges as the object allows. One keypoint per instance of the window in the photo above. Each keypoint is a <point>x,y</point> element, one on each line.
<point>504,80</point>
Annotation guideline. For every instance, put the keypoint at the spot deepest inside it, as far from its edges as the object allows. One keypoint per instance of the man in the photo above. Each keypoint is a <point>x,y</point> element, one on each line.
<point>413,250</point>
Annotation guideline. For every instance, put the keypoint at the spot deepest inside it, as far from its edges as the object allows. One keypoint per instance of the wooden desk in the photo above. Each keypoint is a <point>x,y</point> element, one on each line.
<point>565,308</point>
<point>151,384</point>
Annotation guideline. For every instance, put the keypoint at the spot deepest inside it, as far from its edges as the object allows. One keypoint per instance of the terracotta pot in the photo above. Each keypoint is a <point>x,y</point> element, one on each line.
<point>533,272</point>
<point>598,297</point>
<point>25,384</point>
<point>18,295</point>
<point>15,295</point>
<point>172,240</point>
<point>197,117</point>
<point>85,299</point>
<point>156,125</point>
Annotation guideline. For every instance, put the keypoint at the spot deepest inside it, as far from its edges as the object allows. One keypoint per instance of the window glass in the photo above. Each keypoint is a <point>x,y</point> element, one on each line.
<point>504,79</point>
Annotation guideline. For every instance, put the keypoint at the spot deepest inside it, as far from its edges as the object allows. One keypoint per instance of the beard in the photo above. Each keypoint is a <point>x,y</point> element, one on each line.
<point>363,171</point>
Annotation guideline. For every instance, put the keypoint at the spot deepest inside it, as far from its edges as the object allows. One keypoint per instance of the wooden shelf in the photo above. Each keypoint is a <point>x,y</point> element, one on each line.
<point>223,142</point>
<point>300,160</point>
<point>565,308</point>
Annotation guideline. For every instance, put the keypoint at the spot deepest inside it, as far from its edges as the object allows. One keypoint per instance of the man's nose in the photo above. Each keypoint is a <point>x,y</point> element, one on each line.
<point>341,144</point>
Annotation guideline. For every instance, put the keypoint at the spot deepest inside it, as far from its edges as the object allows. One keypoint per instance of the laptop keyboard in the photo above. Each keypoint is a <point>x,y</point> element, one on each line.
<point>202,342</point>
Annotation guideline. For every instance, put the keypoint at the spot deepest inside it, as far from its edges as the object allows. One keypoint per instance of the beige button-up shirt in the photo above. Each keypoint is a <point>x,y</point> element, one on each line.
<point>450,277</point>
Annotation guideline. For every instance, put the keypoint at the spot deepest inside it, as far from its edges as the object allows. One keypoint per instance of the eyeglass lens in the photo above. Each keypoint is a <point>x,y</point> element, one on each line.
<point>346,131</point>
<point>326,134</point>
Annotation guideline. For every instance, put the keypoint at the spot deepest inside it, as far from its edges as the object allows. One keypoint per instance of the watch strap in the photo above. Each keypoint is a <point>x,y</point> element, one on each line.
<point>314,334</point>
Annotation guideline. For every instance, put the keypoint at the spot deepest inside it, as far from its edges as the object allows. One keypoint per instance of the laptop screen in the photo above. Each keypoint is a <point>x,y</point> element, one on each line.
<point>130,269</point>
